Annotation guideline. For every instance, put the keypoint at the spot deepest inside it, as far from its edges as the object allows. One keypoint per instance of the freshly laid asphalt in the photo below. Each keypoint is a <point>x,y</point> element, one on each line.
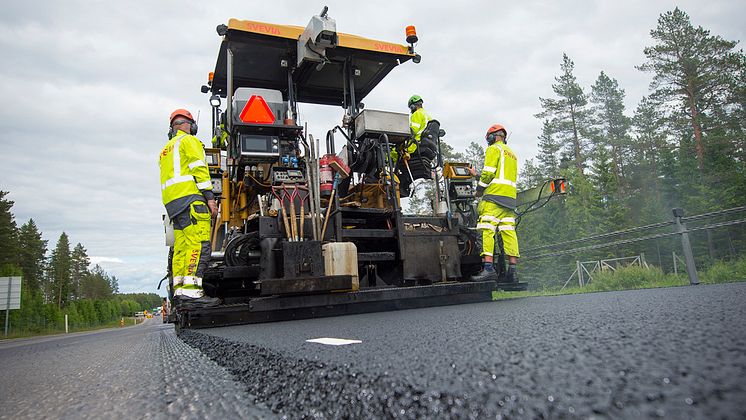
<point>675,353</point>
<point>141,371</point>
<point>660,353</point>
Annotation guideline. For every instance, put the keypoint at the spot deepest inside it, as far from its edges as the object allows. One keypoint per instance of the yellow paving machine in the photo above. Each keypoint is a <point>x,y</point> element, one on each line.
<point>307,230</point>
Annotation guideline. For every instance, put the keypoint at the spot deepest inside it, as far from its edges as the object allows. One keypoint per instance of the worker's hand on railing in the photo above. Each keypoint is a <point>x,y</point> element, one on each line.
<point>213,208</point>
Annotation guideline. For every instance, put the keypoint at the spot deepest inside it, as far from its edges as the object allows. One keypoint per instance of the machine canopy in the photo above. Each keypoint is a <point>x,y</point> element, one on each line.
<point>260,49</point>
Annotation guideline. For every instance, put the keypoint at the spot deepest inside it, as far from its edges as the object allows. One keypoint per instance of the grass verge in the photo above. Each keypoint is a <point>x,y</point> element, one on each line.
<point>629,278</point>
<point>128,322</point>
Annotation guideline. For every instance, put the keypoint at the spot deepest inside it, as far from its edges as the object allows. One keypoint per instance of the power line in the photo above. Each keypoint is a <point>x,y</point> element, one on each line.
<point>625,241</point>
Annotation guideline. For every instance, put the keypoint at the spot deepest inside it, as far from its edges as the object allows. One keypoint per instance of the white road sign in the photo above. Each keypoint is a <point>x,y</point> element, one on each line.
<point>12,284</point>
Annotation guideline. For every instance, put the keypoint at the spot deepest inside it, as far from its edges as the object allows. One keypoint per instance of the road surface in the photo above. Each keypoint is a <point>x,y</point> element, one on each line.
<point>141,371</point>
<point>662,353</point>
<point>659,353</point>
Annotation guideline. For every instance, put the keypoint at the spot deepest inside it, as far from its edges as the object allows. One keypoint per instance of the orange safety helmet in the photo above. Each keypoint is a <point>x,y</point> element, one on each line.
<point>495,128</point>
<point>183,113</point>
<point>491,135</point>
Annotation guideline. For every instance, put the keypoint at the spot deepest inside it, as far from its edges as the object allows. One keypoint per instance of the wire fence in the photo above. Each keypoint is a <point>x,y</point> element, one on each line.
<point>638,239</point>
<point>41,325</point>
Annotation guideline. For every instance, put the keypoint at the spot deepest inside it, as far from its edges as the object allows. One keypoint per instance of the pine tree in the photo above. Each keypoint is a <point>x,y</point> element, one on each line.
<point>79,263</point>
<point>568,115</point>
<point>531,175</point>
<point>604,180</point>
<point>548,151</point>
<point>31,255</point>
<point>650,142</point>
<point>114,284</point>
<point>59,270</point>
<point>96,284</point>
<point>474,154</point>
<point>611,126</point>
<point>8,232</point>
<point>693,71</point>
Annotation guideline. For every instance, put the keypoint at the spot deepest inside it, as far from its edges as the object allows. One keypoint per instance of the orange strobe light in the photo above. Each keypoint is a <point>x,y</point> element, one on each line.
<point>411,34</point>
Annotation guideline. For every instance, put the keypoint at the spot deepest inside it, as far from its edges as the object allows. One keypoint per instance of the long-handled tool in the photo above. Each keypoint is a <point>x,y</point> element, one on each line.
<point>328,211</point>
<point>215,226</point>
<point>302,215</point>
<point>283,214</point>
<point>293,220</point>
<point>329,206</point>
<point>311,182</point>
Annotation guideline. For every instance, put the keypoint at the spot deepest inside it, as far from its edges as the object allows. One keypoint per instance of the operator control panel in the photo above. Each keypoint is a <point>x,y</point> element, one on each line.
<point>458,170</point>
<point>462,191</point>
<point>282,175</point>
<point>254,145</point>
<point>460,180</point>
<point>214,166</point>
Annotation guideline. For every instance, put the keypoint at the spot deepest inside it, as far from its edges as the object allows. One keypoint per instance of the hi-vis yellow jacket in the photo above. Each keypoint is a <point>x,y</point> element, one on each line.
<point>417,123</point>
<point>498,180</point>
<point>184,175</point>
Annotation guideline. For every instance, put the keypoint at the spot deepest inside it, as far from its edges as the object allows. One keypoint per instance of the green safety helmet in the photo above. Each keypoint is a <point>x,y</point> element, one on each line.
<point>414,99</point>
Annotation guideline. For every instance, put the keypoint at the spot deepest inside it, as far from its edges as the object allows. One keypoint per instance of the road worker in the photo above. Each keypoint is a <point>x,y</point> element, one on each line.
<point>187,194</point>
<point>220,139</point>
<point>417,123</point>
<point>496,208</point>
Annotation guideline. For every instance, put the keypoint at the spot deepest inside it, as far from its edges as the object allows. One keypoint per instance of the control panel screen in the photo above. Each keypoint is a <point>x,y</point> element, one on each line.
<point>255,144</point>
<point>461,171</point>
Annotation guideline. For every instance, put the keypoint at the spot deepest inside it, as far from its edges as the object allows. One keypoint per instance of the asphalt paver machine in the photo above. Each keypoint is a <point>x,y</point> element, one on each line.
<point>304,231</point>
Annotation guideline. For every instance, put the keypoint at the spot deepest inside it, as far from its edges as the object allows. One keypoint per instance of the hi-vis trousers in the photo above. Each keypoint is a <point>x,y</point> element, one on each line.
<point>191,249</point>
<point>493,217</point>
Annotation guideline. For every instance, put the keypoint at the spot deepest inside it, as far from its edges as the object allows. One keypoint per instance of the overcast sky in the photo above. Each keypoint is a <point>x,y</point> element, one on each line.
<point>88,87</point>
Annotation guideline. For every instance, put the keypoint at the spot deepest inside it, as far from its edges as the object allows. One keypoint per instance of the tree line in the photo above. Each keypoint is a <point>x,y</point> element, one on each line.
<point>61,281</point>
<point>682,146</point>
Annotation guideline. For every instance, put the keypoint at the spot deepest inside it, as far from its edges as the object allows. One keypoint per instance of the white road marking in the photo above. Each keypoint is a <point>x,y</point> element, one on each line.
<point>333,341</point>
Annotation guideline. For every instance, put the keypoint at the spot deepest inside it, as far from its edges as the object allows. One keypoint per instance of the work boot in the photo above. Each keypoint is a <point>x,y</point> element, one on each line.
<point>185,303</point>
<point>511,276</point>
<point>485,275</point>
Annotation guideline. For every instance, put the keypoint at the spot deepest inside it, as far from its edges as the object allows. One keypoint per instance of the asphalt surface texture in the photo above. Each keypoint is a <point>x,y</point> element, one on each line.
<point>677,353</point>
<point>135,372</point>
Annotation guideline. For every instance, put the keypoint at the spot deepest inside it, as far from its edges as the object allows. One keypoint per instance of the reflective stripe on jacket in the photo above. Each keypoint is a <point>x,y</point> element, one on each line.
<point>497,182</point>
<point>184,174</point>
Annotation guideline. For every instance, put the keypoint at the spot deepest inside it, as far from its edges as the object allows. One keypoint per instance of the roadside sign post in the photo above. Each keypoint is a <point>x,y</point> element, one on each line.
<point>10,288</point>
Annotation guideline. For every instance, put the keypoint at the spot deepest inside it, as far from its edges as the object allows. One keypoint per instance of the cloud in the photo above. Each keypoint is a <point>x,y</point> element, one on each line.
<point>88,87</point>
<point>110,260</point>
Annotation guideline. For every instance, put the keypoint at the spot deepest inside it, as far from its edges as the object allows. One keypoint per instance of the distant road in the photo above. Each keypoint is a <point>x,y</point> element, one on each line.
<point>677,353</point>
<point>135,372</point>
